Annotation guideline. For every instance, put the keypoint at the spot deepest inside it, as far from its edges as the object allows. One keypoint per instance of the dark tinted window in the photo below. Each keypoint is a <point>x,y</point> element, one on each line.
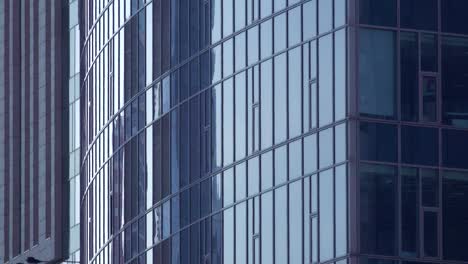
<point>419,14</point>
<point>378,142</point>
<point>429,187</point>
<point>378,12</point>
<point>455,215</point>
<point>419,145</point>
<point>409,76</point>
<point>378,209</point>
<point>365,260</point>
<point>428,52</point>
<point>430,234</point>
<point>455,81</point>
<point>377,73</point>
<point>455,148</point>
<point>409,212</point>
<point>429,98</point>
<point>454,16</point>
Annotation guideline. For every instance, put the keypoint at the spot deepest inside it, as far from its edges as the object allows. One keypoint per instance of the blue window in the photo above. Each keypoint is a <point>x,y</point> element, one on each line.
<point>377,75</point>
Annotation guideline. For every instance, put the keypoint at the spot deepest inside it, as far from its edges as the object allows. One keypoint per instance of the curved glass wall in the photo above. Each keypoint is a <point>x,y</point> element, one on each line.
<point>214,131</point>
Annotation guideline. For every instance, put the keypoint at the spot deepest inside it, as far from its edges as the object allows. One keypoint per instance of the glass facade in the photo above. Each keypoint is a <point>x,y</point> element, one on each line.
<point>412,131</point>
<point>272,131</point>
<point>214,131</point>
<point>72,103</point>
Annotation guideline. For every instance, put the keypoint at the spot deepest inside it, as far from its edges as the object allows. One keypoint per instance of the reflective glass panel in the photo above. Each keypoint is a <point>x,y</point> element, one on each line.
<point>326,214</point>
<point>377,73</point>
<point>325,80</point>
<point>280,109</point>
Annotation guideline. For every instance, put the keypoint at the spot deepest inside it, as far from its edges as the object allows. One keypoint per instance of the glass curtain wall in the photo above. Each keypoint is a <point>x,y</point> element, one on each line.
<point>214,131</point>
<point>412,131</point>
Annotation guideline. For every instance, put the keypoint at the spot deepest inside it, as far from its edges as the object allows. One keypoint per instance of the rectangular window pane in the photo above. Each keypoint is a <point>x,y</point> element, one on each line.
<point>228,122</point>
<point>295,222</point>
<point>429,187</point>
<point>409,212</point>
<point>309,18</point>
<point>267,228</point>
<point>453,12</point>
<point>295,95</point>
<point>266,108</point>
<point>377,73</point>
<point>341,211</point>
<point>455,215</point>
<point>326,214</point>
<point>325,12</point>
<point>378,12</point>
<point>294,26</point>
<point>340,75</point>
<point>454,148</point>
<point>378,142</point>
<point>454,81</point>
<point>280,96</point>
<point>240,112</point>
<point>281,231</point>
<point>280,32</point>
<point>429,56</point>
<point>378,209</point>
<point>266,39</point>
<point>419,14</point>
<point>325,80</point>
<point>430,234</point>
<point>325,140</point>
<point>429,98</point>
<point>409,71</point>
<point>419,145</point>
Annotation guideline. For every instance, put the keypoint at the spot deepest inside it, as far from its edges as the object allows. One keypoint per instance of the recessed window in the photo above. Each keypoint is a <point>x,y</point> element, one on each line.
<point>378,12</point>
<point>419,14</point>
<point>377,73</point>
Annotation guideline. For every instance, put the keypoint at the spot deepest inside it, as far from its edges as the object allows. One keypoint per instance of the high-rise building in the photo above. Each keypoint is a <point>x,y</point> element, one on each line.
<point>31,134</point>
<point>234,131</point>
<point>261,131</point>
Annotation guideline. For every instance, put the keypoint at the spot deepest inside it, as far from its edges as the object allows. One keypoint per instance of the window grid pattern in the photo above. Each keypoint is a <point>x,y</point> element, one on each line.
<point>204,127</point>
<point>411,145</point>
